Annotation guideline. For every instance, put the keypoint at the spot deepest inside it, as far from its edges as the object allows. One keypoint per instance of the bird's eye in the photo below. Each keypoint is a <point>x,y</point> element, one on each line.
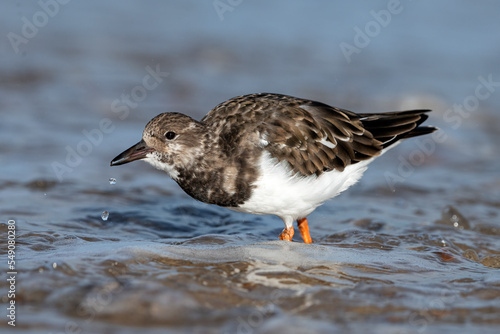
<point>170,135</point>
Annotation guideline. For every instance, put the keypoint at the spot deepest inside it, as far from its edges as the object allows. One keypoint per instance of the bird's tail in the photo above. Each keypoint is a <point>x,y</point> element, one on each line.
<point>391,127</point>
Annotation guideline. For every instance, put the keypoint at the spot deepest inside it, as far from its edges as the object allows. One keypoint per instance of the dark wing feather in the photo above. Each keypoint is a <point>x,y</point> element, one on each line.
<point>314,137</point>
<point>311,136</point>
<point>391,127</point>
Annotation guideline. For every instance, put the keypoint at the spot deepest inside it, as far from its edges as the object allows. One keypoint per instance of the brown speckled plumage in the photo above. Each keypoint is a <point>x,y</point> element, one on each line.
<point>218,159</point>
<point>294,127</point>
<point>208,170</point>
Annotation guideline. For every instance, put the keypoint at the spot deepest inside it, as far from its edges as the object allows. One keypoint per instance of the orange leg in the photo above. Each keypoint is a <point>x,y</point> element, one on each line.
<point>287,234</point>
<point>304,230</point>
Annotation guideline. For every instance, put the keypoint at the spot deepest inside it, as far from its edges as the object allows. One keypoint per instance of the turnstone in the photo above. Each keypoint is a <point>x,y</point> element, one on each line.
<point>271,153</point>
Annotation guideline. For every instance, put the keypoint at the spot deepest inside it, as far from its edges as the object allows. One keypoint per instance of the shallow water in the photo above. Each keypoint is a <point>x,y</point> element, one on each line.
<point>413,248</point>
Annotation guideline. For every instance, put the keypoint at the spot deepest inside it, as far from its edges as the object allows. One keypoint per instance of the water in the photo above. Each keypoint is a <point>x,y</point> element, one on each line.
<point>104,215</point>
<point>413,248</point>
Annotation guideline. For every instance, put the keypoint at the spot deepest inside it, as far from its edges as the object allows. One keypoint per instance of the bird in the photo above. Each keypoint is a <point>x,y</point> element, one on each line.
<point>271,154</point>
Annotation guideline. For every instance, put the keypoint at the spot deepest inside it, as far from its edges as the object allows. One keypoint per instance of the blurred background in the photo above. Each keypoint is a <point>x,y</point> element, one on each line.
<point>80,79</point>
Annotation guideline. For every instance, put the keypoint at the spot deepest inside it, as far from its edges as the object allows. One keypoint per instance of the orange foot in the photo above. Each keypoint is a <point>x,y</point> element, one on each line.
<point>287,234</point>
<point>304,230</point>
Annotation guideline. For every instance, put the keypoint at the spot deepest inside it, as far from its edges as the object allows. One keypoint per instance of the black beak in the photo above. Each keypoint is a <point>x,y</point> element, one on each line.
<point>136,152</point>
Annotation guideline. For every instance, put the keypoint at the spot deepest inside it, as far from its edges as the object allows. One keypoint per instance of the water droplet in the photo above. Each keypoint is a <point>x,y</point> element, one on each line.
<point>451,216</point>
<point>105,215</point>
<point>54,265</point>
<point>112,180</point>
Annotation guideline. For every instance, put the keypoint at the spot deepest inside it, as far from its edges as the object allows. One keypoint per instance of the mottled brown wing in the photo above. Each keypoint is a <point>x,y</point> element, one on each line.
<point>313,137</point>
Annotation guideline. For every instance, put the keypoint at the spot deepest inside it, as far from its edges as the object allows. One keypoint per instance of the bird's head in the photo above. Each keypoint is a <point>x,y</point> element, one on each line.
<point>170,141</point>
